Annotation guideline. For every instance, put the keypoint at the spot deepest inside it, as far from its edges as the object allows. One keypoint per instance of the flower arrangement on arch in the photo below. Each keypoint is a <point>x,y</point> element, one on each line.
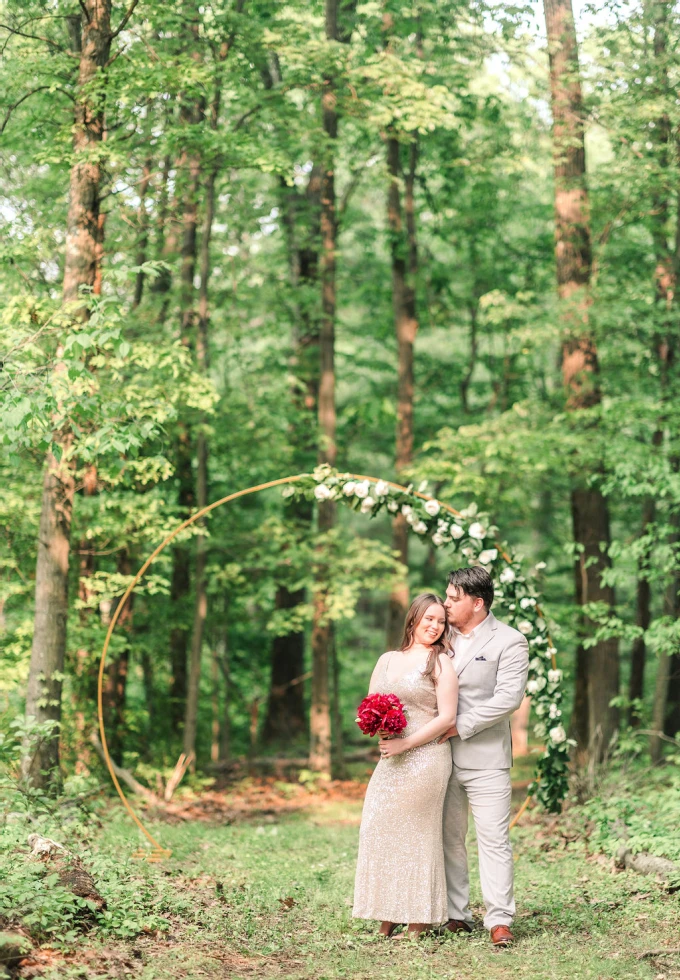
<point>469,534</point>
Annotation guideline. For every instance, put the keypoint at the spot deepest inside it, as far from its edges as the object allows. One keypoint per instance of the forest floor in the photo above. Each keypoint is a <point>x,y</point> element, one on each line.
<point>259,885</point>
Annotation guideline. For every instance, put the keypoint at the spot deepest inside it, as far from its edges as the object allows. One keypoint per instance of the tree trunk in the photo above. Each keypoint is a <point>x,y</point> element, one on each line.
<point>166,239</point>
<point>403,247</point>
<point>180,585</point>
<point>466,380</point>
<point>43,694</point>
<point>337,756</point>
<point>519,729</point>
<point>203,360</point>
<point>184,688</point>
<point>638,653</point>
<point>643,617</point>
<point>590,515</point>
<point>666,705</point>
<point>320,714</point>
<point>215,704</point>
<point>149,694</point>
<point>285,719</point>
<point>285,716</point>
<point>590,518</point>
<point>672,723</point>
<point>115,683</point>
<point>143,232</point>
<point>222,648</point>
<point>671,608</point>
<point>91,41</point>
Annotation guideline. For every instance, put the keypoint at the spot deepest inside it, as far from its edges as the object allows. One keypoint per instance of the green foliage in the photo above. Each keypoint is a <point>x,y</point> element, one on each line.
<point>464,85</point>
<point>274,895</point>
<point>639,812</point>
<point>30,891</point>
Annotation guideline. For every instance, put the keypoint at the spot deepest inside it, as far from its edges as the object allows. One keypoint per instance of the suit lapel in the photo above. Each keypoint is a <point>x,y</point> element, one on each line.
<point>476,646</point>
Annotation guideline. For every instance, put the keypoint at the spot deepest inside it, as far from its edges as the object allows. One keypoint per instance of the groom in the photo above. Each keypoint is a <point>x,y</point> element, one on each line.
<point>492,662</point>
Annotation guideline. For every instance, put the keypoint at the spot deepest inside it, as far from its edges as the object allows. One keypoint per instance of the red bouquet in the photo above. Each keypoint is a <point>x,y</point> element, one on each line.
<point>381,712</point>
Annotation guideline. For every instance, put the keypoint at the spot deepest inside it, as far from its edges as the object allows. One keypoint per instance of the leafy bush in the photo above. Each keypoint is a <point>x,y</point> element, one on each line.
<point>30,894</point>
<point>639,810</point>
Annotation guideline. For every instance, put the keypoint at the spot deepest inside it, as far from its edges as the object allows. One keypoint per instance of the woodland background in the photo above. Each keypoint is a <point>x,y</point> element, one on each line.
<point>421,241</point>
<point>429,242</point>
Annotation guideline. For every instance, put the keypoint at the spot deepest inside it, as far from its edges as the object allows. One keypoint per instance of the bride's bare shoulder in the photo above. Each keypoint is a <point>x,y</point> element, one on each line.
<point>384,656</point>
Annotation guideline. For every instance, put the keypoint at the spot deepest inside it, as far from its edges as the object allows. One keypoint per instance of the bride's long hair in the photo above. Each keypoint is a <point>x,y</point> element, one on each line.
<point>413,618</point>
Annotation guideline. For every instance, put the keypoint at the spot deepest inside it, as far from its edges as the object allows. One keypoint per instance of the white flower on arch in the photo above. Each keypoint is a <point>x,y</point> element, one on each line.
<point>486,557</point>
<point>557,735</point>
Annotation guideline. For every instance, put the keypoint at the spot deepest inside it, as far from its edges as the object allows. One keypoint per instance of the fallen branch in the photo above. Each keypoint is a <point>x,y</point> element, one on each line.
<point>124,775</point>
<point>178,772</point>
<point>14,945</point>
<point>646,864</point>
<point>658,952</point>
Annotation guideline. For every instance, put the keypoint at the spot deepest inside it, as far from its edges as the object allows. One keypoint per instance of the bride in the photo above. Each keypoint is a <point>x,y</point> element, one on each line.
<point>400,868</point>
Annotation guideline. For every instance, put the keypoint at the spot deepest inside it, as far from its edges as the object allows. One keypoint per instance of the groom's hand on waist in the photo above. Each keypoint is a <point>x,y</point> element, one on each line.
<point>449,733</point>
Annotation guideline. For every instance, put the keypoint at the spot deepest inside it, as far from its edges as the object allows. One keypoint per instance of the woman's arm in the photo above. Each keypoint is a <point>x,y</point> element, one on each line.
<point>447,703</point>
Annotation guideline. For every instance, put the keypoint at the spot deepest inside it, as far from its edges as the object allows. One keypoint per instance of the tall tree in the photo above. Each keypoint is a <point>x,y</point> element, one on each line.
<point>300,209</point>
<point>322,641</point>
<point>203,362</point>
<point>404,258</point>
<point>192,108</point>
<point>91,36</point>
<point>667,255</point>
<point>594,719</point>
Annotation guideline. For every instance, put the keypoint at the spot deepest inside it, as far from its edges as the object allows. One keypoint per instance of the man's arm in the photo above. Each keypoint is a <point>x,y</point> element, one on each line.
<point>511,682</point>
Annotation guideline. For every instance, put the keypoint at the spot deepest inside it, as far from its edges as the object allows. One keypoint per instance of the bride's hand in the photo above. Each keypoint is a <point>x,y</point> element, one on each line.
<point>393,746</point>
<point>449,733</point>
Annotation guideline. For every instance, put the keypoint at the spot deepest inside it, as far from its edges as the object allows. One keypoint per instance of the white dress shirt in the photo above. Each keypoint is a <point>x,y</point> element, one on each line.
<point>460,640</point>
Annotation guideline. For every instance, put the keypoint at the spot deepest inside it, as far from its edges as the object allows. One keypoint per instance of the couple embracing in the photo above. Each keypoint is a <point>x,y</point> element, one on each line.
<point>460,673</point>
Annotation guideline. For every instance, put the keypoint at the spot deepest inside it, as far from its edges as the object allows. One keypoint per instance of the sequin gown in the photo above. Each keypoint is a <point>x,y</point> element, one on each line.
<point>400,869</point>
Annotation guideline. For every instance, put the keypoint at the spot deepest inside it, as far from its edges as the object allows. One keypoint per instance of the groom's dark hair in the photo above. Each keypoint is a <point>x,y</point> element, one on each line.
<point>474,581</point>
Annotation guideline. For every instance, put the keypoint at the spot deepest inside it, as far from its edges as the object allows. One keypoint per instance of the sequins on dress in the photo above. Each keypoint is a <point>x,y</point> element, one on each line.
<point>400,869</point>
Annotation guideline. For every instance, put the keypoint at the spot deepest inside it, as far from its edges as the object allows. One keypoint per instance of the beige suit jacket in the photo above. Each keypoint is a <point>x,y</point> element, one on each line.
<point>492,675</point>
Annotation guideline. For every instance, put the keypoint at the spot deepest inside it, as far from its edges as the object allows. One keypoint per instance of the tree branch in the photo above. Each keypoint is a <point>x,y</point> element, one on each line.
<point>32,37</point>
<point>126,18</point>
<point>353,183</point>
<point>41,88</point>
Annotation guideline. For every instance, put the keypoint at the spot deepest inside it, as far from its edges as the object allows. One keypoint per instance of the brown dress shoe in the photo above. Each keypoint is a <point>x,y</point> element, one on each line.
<point>501,936</point>
<point>458,925</point>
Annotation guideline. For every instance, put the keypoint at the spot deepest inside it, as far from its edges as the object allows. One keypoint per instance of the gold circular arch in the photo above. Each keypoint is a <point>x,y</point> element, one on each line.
<point>159,852</point>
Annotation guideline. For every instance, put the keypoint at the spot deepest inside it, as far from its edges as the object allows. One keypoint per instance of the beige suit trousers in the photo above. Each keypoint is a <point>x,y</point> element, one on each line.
<point>488,792</point>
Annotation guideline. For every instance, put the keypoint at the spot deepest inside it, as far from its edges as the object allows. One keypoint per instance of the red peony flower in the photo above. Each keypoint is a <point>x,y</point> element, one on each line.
<point>379,712</point>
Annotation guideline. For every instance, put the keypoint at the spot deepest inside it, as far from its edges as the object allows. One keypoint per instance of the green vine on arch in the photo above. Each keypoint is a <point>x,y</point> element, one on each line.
<point>468,536</point>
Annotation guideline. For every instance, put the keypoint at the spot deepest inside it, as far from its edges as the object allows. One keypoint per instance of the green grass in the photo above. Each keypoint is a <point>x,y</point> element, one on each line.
<point>272,898</point>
